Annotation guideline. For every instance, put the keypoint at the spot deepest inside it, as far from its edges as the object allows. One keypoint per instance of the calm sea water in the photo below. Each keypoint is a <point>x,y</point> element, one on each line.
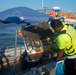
<point>8,34</point>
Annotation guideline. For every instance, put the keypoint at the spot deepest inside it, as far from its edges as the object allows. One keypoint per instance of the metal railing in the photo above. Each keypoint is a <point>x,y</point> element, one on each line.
<point>7,53</point>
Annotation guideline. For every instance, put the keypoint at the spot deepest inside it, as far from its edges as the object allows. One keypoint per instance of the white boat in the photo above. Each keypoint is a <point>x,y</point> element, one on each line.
<point>72,21</point>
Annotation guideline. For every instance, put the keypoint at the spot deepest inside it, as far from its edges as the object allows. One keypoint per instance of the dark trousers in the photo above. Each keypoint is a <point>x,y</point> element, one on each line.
<point>70,66</point>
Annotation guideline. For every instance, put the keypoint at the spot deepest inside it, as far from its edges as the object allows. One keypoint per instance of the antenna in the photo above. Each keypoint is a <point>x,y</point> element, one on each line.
<point>42,4</point>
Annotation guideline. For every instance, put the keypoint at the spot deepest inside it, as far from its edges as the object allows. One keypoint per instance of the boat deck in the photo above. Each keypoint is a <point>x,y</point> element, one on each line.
<point>9,70</point>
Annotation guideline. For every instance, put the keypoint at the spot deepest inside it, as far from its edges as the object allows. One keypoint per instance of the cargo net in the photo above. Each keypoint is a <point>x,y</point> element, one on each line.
<point>38,39</point>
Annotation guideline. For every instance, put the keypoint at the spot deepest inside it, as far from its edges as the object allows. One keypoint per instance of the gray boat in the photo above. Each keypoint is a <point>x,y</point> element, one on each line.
<point>36,52</point>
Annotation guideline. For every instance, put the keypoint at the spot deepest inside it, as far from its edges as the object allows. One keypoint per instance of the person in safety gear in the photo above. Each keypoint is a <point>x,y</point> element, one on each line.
<point>66,43</point>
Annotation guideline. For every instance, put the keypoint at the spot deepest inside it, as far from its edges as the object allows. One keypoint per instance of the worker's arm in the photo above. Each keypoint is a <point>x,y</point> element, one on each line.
<point>59,54</point>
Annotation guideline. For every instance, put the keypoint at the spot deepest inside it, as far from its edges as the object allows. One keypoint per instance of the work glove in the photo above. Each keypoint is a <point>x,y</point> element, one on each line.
<point>54,60</point>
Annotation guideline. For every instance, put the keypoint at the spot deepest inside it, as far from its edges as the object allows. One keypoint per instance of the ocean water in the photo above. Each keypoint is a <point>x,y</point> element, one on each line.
<point>8,34</point>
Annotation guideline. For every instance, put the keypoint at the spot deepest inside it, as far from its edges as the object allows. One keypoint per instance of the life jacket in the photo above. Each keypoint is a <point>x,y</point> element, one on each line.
<point>70,49</point>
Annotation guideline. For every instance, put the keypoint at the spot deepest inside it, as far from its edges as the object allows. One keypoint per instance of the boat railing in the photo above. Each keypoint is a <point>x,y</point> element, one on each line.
<point>7,54</point>
<point>48,66</point>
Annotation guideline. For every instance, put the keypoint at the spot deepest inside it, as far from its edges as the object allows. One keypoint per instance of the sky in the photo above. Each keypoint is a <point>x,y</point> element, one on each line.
<point>69,5</point>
